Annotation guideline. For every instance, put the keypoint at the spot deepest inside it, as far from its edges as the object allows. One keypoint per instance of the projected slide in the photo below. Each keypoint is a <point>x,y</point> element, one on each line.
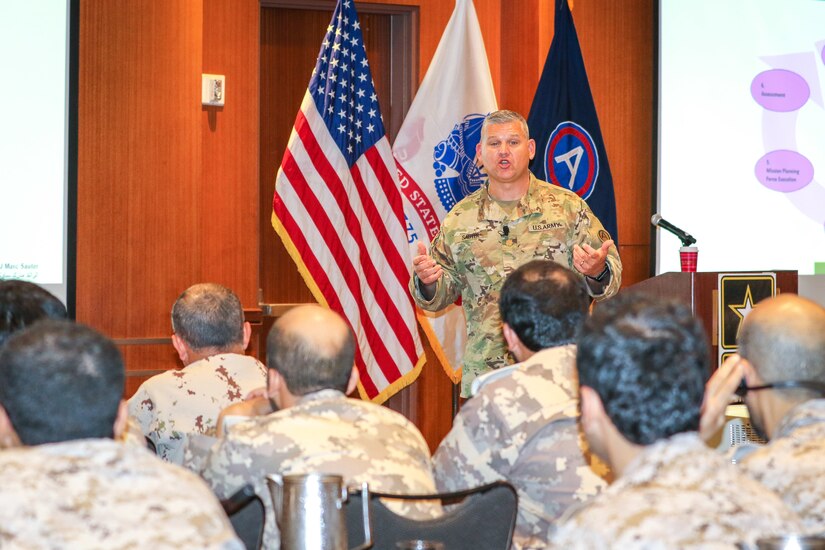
<point>742,132</point>
<point>33,140</point>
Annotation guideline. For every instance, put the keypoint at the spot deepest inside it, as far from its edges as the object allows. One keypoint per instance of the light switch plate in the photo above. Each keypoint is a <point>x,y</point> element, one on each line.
<point>213,89</point>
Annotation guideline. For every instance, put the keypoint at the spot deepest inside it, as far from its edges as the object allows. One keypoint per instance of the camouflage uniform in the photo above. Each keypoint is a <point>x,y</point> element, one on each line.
<point>329,433</point>
<point>98,493</point>
<point>477,254</point>
<point>677,494</point>
<point>793,463</point>
<point>524,429</point>
<point>170,406</point>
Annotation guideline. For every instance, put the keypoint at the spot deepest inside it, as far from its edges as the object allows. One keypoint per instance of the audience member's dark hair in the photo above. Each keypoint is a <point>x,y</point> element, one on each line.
<point>22,303</point>
<point>648,360</point>
<point>304,366</point>
<point>545,304</point>
<point>60,381</point>
<point>208,315</point>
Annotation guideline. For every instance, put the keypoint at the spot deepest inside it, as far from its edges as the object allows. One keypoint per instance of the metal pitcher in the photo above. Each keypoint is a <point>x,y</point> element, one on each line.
<point>309,510</point>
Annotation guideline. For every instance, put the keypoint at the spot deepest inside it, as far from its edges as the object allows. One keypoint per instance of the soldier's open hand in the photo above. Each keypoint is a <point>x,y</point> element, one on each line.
<point>428,271</point>
<point>591,261</point>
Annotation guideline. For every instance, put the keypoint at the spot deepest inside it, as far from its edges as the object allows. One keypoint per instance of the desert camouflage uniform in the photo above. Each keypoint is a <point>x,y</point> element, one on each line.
<point>677,494</point>
<point>477,255</point>
<point>170,406</point>
<point>793,463</point>
<point>524,429</point>
<point>325,432</point>
<point>99,493</point>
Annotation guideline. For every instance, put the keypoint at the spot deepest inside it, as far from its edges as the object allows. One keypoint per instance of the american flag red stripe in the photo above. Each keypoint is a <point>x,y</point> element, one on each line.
<point>339,211</point>
<point>373,278</point>
<point>332,241</point>
<point>323,281</point>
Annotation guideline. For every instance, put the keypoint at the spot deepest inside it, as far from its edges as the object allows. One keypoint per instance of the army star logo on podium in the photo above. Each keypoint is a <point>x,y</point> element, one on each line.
<point>738,294</point>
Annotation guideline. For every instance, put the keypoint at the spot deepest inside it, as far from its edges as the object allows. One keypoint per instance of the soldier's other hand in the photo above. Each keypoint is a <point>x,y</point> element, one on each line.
<point>591,261</point>
<point>719,391</point>
<point>425,267</point>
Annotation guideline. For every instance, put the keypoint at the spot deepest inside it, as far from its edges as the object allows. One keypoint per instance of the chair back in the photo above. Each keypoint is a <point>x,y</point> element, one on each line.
<point>246,514</point>
<point>485,517</point>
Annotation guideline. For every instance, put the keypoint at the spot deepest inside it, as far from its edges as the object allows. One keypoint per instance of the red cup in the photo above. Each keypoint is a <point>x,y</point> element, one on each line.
<point>688,255</point>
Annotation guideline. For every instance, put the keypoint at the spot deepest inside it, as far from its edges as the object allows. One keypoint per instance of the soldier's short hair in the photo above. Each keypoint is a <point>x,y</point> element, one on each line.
<point>647,359</point>
<point>788,343</point>
<point>22,303</point>
<point>307,367</point>
<point>208,315</point>
<point>60,381</point>
<point>504,116</point>
<point>545,303</point>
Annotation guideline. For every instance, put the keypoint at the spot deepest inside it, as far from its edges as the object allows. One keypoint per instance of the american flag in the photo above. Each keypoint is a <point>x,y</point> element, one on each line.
<point>339,212</point>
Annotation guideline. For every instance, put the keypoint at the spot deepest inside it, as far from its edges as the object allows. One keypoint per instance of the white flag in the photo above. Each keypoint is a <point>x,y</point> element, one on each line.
<point>435,154</point>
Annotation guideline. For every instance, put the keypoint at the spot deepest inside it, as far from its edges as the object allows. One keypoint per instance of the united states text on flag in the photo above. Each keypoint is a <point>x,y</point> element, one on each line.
<point>338,210</point>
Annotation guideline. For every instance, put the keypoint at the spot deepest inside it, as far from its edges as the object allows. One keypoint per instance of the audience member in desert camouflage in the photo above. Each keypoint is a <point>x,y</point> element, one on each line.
<point>523,426</point>
<point>70,485</point>
<point>310,354</point>
<point>210,337</point>
<point>782,341</point>
<point>511,220</point>
<point>22,303</point>
<point>642,365</point>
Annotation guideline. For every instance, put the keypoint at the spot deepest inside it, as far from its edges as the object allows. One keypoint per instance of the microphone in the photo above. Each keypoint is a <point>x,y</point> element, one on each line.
<point>686,238</point>
<point>505,230</point>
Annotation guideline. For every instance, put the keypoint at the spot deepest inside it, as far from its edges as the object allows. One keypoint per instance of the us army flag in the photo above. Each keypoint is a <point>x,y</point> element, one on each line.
<point>435,155</point>
<point>570,151</point>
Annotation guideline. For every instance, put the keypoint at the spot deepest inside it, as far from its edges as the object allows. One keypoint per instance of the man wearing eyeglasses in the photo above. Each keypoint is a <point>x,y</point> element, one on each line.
<point>782,365</point>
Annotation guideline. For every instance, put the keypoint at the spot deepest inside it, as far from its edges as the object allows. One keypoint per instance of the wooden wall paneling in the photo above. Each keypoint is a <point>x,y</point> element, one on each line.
<point>634,263</point>
<point>138,163</point>
<point>289,44</point>
<point>228,195</point>
<point>521,68</point>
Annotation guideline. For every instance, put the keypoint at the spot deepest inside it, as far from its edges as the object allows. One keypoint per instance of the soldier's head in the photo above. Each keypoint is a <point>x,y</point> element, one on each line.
<point>642,365</point>
<point>782,340</point>
<point>60,381</point>
<point>310,348</point>
<point>543,304</point>
<point>505,149</point>
<point>207,319</point>
<point>504,116</point>
<point>22,303</point>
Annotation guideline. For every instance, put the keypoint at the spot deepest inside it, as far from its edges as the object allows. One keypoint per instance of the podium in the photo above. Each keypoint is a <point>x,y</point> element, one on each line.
<point>700,292</point>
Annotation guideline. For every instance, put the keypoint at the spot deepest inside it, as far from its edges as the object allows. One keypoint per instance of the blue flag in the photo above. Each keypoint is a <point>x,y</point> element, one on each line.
<point>570,151</point>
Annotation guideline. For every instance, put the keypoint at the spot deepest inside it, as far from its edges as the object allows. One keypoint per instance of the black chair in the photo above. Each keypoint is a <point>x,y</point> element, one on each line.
<point>246,514</point>
<point>483,518</point>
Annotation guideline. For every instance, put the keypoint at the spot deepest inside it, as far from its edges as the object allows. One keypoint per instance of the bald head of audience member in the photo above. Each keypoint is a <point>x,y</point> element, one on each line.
<point>310,348</point>
<point>207,319</point>
<point>781,340</point>
<point>22,303</point>
<point>60,381</point>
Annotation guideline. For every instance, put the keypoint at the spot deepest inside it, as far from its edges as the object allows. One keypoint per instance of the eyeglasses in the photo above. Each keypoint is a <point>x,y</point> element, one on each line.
<point>811,385</point>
